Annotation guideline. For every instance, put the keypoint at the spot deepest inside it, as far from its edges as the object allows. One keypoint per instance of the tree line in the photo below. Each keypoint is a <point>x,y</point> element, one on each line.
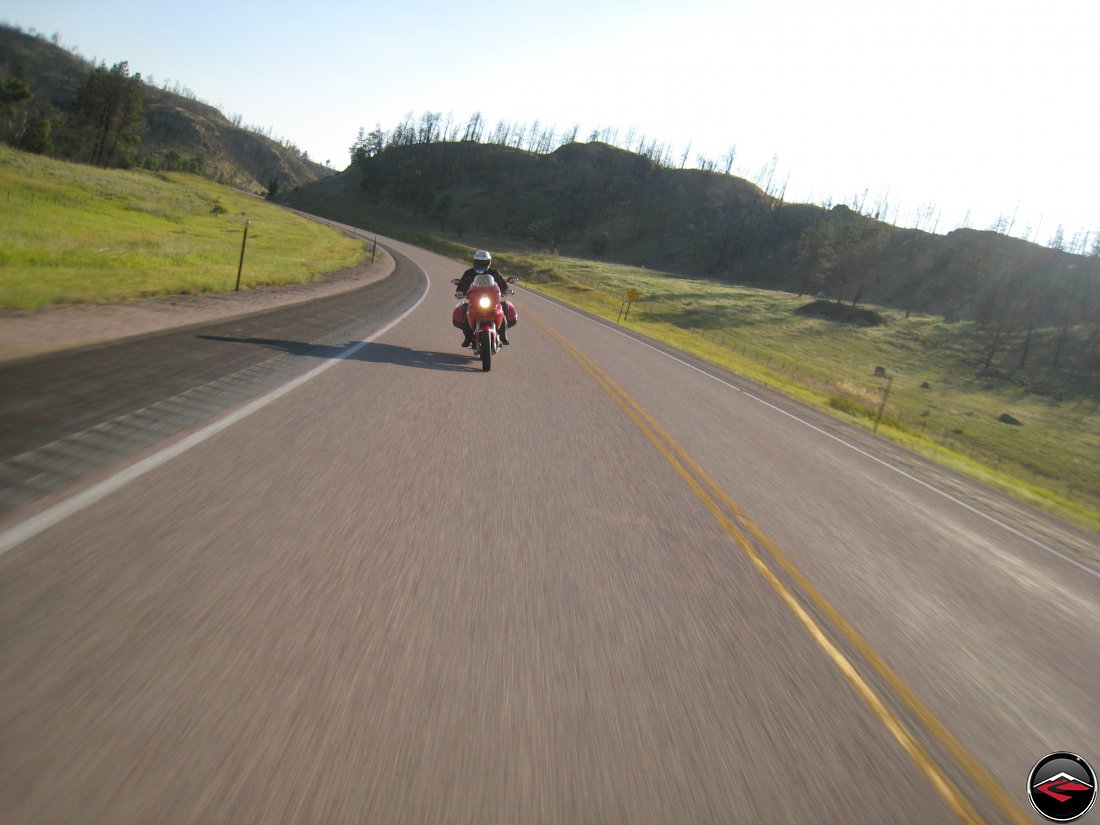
<point>536,137</point>
<point>541,138</point>
<point>1028,303</point>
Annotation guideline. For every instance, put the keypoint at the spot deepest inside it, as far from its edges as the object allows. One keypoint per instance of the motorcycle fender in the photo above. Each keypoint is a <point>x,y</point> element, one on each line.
<point>482,326</point>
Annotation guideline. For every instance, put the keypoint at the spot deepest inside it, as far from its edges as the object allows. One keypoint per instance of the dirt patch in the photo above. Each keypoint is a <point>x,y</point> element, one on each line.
<point>844,313</point>
<point>28,333</point>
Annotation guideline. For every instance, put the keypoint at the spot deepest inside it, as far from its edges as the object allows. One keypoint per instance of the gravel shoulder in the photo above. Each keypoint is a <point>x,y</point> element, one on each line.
<point>26,334</point>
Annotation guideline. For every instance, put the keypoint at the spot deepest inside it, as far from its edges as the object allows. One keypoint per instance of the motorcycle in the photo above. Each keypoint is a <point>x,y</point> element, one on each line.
<point>481,307</point>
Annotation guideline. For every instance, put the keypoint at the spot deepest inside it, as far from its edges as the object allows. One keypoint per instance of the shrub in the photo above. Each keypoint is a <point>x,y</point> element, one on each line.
<point>852,407</point>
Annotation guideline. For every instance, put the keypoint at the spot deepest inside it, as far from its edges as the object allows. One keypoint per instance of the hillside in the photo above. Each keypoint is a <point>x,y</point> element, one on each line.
<point>595,200</point>
<point>179,133</point>
<point>72,233</point>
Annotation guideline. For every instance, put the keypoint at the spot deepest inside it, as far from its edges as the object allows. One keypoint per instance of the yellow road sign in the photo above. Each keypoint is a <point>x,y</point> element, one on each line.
<point>632,295</point>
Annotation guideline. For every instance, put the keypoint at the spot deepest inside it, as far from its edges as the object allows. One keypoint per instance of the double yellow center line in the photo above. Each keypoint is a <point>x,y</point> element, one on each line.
<point>739,527</point>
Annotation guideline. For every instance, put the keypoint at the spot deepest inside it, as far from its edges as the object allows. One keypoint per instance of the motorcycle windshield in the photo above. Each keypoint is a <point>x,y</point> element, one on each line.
<point>483,279</point>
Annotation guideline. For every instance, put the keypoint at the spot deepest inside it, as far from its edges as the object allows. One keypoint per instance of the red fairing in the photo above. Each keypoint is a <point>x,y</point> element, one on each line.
<point>484,316</point>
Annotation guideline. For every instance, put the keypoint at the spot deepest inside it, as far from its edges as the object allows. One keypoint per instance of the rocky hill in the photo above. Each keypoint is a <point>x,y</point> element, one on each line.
<point>178,131</point>
<point>596,200</point>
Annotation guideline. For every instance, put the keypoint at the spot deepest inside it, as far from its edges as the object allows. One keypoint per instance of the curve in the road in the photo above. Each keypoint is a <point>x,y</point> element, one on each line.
<point>68,415</point>
<point>55,514</point>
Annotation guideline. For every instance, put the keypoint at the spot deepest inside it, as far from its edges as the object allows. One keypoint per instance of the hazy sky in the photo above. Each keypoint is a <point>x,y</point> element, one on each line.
<point>971,105</point>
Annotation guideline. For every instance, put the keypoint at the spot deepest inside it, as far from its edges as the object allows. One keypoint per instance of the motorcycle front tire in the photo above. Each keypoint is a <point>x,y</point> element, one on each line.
<point>486,351</point>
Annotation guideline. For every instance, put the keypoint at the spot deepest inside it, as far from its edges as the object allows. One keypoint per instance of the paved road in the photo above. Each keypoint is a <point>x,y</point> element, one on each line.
<point>593,585</point>
<point>67,415</point>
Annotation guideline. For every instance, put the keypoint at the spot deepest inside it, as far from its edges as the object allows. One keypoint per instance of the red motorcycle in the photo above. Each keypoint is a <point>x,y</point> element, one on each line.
<point>483,310</point>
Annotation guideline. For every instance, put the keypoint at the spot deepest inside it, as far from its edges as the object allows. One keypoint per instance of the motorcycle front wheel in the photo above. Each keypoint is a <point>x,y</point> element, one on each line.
<point>486,351</point>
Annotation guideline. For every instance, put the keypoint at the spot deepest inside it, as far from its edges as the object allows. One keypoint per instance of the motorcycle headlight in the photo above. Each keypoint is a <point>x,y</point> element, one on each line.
<point>484,302</point>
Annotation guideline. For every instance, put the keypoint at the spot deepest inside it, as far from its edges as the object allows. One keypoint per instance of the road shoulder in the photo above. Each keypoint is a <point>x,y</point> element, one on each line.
<point>27,334</point>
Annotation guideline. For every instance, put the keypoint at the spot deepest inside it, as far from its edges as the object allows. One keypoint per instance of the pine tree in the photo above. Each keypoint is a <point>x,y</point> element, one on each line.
<point>106,115</point>
<point>14,93</point>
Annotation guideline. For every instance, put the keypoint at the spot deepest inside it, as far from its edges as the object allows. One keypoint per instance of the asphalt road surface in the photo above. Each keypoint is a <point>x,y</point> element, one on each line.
<point>597,584</point>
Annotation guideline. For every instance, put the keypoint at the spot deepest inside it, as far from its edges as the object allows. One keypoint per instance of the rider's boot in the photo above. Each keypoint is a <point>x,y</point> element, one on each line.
<point>504,334</point>
<point>467,339</point>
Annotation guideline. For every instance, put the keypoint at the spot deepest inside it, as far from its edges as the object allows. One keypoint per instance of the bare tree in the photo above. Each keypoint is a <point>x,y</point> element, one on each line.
<point>546,141</point>
<point>727,159</point>
<point>500,132</point>
<point>859,200</point>
<point>1058,239</point>
<point>475,127</point>
<point>515,136</point>
<point>428,128</point>
<point>532,140</point>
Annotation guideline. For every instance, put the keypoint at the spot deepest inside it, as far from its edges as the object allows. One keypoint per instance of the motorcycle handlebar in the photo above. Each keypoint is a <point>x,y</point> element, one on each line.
<point>461,294</point>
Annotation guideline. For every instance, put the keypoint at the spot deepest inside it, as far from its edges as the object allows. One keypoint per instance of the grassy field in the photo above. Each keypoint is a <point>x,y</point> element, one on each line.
<point>75,234</point>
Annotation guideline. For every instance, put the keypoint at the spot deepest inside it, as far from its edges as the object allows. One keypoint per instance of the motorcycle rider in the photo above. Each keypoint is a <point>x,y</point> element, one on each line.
<point>483,262</point>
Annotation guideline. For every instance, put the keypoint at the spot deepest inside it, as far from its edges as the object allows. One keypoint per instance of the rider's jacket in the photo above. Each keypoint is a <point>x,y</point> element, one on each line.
<point>468,278</point>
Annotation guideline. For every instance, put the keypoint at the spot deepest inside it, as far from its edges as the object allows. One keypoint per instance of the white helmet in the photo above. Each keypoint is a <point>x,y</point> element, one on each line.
<point>482,260</point>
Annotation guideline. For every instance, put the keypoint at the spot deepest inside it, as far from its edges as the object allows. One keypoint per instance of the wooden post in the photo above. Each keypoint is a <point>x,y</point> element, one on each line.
<point>240,266</point>
<point>882,406</point>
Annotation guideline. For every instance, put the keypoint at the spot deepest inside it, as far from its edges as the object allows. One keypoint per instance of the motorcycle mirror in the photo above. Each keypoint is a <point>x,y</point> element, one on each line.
<point>513,279</point>
<point>454,281</point>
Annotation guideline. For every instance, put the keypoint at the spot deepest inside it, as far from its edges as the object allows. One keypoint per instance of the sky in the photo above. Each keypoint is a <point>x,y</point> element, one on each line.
<point>950,112</point>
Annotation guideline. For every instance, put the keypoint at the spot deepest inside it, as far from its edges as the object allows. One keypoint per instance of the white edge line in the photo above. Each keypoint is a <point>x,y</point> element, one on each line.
<point>835,438</point>
<point>52,516</point>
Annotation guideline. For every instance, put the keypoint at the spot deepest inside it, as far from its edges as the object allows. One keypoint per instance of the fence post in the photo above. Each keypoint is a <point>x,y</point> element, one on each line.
<point>240,265</point>
<point>882,406</point>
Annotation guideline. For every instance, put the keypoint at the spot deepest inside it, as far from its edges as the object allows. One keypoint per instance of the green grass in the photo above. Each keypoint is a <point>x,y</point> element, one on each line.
<point>76,234</point>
